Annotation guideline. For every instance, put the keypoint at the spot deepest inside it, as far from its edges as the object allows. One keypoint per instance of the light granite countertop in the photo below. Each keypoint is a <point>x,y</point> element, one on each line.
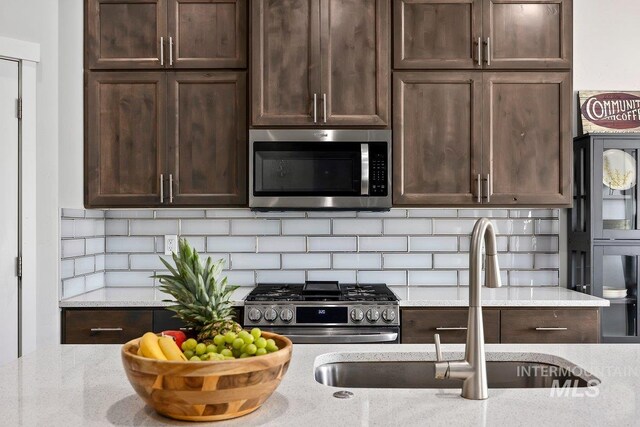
<point>427,296</point>
<point>86,386</point>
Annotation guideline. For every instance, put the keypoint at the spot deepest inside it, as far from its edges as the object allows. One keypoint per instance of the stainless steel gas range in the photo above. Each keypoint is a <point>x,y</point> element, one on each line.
<point>325,312</point>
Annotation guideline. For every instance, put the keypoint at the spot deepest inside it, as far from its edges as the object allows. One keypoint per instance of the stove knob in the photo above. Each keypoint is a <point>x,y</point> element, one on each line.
<point>270,315</point>
<point>286,315</point>
<point>357,315</point>
<point>254,315</point>
<point>373,315</point>
<point>388,315</point>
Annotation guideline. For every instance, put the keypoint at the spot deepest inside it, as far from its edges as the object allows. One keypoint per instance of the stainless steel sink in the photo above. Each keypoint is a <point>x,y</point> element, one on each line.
<point>420,374</point>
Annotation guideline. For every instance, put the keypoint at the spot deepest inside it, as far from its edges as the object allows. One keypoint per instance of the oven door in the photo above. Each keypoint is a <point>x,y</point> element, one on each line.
<point>322,335</point>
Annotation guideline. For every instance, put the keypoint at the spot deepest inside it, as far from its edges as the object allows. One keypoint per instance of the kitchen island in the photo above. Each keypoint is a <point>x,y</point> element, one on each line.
<point>86,385</point>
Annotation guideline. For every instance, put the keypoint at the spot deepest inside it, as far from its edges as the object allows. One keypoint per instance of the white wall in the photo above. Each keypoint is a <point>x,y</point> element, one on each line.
<point>37,21</point>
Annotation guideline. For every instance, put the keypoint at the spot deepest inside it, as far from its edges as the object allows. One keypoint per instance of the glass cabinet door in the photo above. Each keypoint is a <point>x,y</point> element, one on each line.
<point>615,275</point>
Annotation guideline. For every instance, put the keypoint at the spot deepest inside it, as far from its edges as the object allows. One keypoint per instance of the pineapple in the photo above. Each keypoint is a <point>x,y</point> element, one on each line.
<point>202,297</point>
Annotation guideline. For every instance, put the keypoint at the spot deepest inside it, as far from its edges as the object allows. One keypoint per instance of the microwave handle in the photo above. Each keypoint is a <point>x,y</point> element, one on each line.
<point>364,169</point>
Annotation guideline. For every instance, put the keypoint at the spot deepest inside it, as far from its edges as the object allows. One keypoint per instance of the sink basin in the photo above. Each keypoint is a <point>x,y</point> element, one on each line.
<point>420,374</point>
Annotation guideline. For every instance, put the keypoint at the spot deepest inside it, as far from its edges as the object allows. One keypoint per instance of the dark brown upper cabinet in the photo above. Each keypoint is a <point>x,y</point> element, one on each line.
<point>467,138</point>
<point>207,138</point>
<point>165,139</point>
<point>160,34</point>
<point>320,63</point>
<point>483,34</point>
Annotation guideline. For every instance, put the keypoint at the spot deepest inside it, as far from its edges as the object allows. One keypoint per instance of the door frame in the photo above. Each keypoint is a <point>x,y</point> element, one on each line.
<point>27,54</point>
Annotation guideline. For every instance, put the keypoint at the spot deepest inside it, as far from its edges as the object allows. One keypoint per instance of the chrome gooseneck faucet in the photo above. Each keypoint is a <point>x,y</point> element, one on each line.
<point>473,369</point>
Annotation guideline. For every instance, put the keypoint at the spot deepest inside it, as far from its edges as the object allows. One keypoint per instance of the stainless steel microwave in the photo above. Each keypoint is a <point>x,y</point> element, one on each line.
<point>320,169</point>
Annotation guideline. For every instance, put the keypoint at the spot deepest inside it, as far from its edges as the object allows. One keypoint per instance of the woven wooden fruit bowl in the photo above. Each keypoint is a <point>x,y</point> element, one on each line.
<point>207,391</point>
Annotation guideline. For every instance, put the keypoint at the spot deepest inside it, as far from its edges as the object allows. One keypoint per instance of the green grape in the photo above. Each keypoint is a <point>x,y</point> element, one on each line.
<point>271,346</point>
<point>236,352</point>
<point>189,354</point>
<point>256,332</point>
<point>189,344</point>
<point>218,340</point>
<point>248,338</point>
<point>238,343</point>
<point>204,357</point>
<point>251,349</point>
<point>260,342</point>
<point>229,337</point>
<point>243,349</point>
<point>226,352</point>
<point>244,356</point>
<point>194,359</point>
<point>261,351</point>
<point>201,349</point>
<point>243,333</point>
<point>212,348</point>
<point>220,348</point>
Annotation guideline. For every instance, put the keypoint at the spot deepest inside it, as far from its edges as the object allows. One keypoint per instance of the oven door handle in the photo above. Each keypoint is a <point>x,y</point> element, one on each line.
<point>343,339</point>
<point>364,169</point>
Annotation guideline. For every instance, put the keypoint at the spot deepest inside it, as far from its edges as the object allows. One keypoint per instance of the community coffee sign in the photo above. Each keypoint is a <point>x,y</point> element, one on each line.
<point>614,112</point>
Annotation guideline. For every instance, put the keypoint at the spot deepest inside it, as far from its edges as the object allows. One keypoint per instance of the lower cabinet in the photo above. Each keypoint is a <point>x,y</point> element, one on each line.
<point>117,325</point>
<point>508,325</point>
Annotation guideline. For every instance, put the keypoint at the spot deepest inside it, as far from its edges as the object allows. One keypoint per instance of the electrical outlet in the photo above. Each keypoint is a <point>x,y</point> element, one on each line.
<point>170,244</point>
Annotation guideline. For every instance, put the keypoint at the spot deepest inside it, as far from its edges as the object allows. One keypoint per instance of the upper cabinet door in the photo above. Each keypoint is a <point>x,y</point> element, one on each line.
<point>437,34</point>
<point>528,33</point>
<point>285,62</point>
<point>355,55</point>
<point>207,138</point>
<point>207,33</point>
<point>125,33</point>
<point>124,143</point>
<point>437,138</point>
<point>527,137</point>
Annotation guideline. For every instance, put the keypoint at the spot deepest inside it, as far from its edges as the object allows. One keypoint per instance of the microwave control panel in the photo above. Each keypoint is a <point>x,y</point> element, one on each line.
<point>378,169</point>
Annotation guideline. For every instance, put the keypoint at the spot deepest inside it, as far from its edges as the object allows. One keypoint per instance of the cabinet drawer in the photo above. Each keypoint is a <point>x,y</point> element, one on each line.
<point>550,326</point>
<point>105,326</point>
<point>419,325</point>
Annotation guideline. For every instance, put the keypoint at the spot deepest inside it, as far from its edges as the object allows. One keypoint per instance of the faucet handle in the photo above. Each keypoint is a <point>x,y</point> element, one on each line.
<point>436,338</point>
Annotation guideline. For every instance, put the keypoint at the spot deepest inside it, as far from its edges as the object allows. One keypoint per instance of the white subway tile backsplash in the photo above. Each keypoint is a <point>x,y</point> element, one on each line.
<point>73,287</point>
<point>533,244</point>
<point>66,228</point>
<point>72,213</point>
<point>255,227</point>
<point>357,226</point>
<point>534,213</point>
<point>463,277</point>
<point>331,214</point>
<point>199,244</point>
<point>546,261</point>
<point>180,213</point>
<point>306,227</point>
<point>482,213</point>
<point>230,213</point>
<point>433,244</point>
<point>357,261</point>
<point>407,226</point>
<point>512,260</point>
<point>231,244</point>
<point>450,261</point>
<point>148,262</point>
<point>100,260</point>
<point>433,278</point>
<point>453,226</point>
<point>117,227</point>
<point>304,261</point>
<point>240,278</point>
<point>514,226</point>
<point>383,244</point>
<point>534,278</point>
<point>215,257</point>
<point>94,213</point>
<point>501,241</point>
<point>332,244</point>
<point>84,265</point>
<point>116,262</point>
<point>95,246</point>
<point>72,248</point>
<point>129,278</point>
<point>407,261</point>
<point>129,213</point>
<point>203,227</point>
<point>280,214</point>
<point>432,213</point>
<point>544,226</point>
<point>94,281</point>
<point>282,244</point>
<point>156,227</point>
<point>280,276</point>
<point>392,213</point>
<point>130,244</point>
<point>390,277</point>
<point>245,261</point>
<point>66,268</point>
<point>88,227</point>
<point>342,276</point>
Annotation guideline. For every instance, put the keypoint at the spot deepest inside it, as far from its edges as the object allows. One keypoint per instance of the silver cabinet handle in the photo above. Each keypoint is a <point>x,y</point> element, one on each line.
<point>324,106</point>
<point>364,169</point>
<point>161,188</point>
<point>488,60</point>
<point>162,51</point>
<point>170,188</point>
<point>489,189</point>
<point>451,328</point>
<point>479,51</point>
<point>170,50</point>
<point>107,329</point>
<point>551,329</point>
<point>479,191</point>
<point>315,108</point>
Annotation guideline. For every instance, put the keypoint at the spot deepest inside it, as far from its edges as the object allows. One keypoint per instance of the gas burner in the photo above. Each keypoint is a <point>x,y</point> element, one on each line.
<point>321,291</point>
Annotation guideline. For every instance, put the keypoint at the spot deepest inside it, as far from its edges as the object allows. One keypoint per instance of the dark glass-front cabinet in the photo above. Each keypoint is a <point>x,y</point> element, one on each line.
<point>604,231</point>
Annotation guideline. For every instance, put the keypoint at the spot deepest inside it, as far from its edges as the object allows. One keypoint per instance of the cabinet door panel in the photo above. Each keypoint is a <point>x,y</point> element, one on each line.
<point>208,33</point>
<point>419,325</point>
<point>437,33</point>
<point>355,62</point>
<point>527,137</point>
<point>546,326</point>
<point>437,137</point>
<point>208,138</point>
<point>285,62</point>
<point>529,33</point>
<point>125,33</point>
<point>124,150</point>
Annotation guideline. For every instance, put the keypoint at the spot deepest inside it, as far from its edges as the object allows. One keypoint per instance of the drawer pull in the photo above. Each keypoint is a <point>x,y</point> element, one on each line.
<point>107,329</point>
<point>551,329</point>
<point>452,328</point>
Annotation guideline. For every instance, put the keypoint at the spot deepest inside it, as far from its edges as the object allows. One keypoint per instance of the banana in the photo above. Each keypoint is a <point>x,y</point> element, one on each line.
<point>150,348</point>
<point>170,349</point>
